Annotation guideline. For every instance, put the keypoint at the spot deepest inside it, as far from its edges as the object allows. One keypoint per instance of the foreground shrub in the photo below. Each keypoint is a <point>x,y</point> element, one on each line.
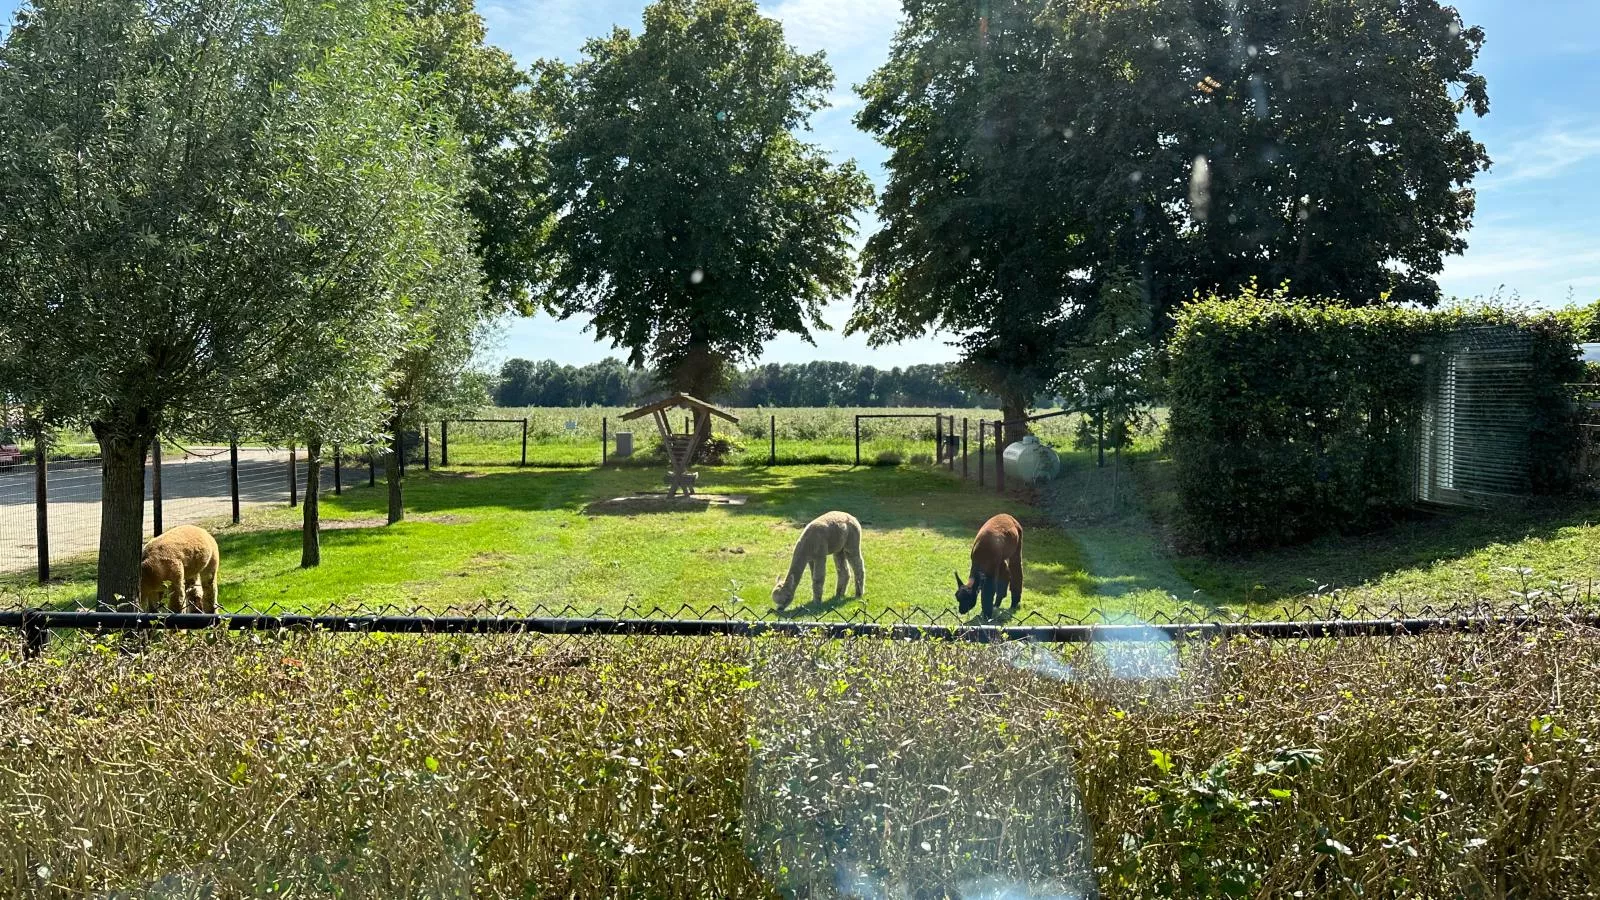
<point>231,767</point>
<point>1294,419</point>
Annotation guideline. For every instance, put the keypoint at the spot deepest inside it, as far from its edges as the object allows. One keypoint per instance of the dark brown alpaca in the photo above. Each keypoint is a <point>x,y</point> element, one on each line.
<point>996,564</point>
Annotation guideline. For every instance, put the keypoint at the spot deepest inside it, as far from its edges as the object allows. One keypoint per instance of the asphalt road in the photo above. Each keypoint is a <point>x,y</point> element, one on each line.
<point>193,489</point>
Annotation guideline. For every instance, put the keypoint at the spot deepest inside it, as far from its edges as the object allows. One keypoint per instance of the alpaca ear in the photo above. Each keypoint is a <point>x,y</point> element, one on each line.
<point>959,585</point>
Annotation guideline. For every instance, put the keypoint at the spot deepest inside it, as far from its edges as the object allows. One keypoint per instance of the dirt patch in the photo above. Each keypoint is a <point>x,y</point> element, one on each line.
<point>660,502</point>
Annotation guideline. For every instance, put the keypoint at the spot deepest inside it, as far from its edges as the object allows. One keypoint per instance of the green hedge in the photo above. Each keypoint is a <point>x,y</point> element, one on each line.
<point>1292,419</point>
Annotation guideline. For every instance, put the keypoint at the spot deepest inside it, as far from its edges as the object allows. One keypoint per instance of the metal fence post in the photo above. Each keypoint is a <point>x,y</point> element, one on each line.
<point>444,443</point>
<point>951,456</point>
<point>964,472</point>
<point>858,440</point>
<point>605,436</point>
<point>981,466</point>
<point>233,475</point>
<point>41,500</point>
<point>524,440</point>
<point>999,457</point>
<point>772,441</point>
<point>427,447</point>
<point>372,468</point>
<point>938,439</point>
<point>155,485</point>
<point>294,489</point>
<point>338,460</point>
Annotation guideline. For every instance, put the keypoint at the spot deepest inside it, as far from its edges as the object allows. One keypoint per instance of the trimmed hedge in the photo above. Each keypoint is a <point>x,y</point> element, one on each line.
<point>1292,419</point>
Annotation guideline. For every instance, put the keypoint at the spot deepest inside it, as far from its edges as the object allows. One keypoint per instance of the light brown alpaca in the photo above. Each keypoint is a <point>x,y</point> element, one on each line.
<point>996,564</point>
<point>835,534</point>
<point>177,566</point>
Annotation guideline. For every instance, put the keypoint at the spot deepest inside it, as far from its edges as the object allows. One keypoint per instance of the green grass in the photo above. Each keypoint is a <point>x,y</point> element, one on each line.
<point>532,537</point>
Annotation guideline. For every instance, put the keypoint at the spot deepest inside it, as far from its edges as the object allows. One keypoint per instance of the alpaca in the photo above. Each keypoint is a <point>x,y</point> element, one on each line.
<point>180,568</point>
<point>835,534</point>
<point>996,564</point>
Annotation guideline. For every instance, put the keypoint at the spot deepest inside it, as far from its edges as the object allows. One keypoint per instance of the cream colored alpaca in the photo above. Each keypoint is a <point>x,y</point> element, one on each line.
<point>180,569</point>
<point>835,534</point>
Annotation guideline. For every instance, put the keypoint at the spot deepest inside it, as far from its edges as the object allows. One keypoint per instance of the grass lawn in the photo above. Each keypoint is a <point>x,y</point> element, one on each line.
<point>532,537</point>
<point>545,537</point>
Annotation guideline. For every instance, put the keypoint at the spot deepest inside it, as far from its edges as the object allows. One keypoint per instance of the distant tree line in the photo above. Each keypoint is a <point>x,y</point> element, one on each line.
<point>612,382</point>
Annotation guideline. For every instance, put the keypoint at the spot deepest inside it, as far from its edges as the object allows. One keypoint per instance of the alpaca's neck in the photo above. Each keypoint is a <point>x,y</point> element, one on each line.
<point>797,565</point>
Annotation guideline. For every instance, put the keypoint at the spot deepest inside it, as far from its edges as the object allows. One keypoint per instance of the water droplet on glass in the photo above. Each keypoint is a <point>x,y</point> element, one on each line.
<point>1067,133</point>
<point>1252,51</point>
<point>697,276</point>
<point>1136,176</point>
<point>1200,188</point>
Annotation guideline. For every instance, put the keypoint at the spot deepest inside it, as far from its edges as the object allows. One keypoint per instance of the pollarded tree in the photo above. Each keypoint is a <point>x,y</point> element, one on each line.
<point>371,169</point>
<point>140,245</point>
<point>695,225</point>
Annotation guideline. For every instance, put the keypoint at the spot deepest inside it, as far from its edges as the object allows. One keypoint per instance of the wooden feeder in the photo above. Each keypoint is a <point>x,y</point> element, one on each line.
<point>681,448</point>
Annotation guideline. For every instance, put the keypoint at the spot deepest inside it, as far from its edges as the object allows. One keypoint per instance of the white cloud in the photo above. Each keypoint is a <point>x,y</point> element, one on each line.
<point>1541,263</point>
<point>840,27</point>
<point>1553,152</point>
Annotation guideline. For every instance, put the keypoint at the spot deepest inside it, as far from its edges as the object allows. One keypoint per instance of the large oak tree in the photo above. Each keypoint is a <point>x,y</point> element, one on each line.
<point>694,223</point>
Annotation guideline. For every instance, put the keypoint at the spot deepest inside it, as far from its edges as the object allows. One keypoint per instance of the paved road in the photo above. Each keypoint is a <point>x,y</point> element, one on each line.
<point>193,489</point>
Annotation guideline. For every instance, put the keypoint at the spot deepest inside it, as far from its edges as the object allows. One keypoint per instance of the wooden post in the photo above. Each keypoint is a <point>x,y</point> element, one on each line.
<point>858,440</point>
<point>772,442</point>
<point>41,500</point>
<point>338,460</point>
<point>444,443</point>
<point>524,440</point>
<point>981,466</point>
<point>938,439</point>
<point>999,457</point>
<point>605,437</point>
<point>233,475</point>
<point>1100,437</point>
<point>294,486</point>
<point>372,468</point>
<point>964,472</point>
<point>155,484</point>
<point>427,447</point>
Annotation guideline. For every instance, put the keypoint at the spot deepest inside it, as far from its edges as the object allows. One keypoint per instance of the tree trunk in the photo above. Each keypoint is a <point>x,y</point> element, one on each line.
<point>121,515</point>
<point>311,521</point>
<point>391,473</point>
<point>1013,407</point>
<point>701,373</point>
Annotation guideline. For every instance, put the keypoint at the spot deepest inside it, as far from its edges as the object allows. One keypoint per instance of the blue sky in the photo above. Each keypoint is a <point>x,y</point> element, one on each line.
<point>1536,235</point>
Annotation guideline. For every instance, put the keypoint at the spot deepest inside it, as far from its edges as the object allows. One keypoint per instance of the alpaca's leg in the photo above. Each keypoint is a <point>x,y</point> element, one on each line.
<point>991,586</point>
<point>819,576</point>
<point>1014,567</point>
<point>844,576</point>
<point>208,588</point>
<point>853,557</point>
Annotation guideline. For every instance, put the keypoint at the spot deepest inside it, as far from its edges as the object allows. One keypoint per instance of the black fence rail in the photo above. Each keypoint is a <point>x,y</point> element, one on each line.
<point>1098,626</point>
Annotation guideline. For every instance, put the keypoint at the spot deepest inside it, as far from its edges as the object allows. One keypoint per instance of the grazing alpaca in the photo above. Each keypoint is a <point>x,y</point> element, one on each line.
<point>996,564</point>
<point>180,568</point>
<point>834,534</point>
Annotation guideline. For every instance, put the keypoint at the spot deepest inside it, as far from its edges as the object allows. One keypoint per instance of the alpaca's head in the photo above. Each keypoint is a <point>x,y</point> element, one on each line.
<point>782,594</point>
<point>966,594</point>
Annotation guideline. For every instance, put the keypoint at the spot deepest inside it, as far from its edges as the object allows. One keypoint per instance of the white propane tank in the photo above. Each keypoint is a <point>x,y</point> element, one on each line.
<point>1031,461</point>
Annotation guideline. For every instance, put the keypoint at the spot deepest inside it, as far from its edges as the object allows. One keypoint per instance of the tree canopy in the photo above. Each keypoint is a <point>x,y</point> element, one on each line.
<point>694,223</point>
<point>1039,148</point>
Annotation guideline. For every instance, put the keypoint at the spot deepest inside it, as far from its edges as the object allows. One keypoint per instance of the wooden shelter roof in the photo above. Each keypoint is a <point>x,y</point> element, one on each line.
<point>684,401</point>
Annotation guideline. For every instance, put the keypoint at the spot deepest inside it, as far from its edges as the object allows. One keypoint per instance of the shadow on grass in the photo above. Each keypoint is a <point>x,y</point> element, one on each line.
<point>812,609</point>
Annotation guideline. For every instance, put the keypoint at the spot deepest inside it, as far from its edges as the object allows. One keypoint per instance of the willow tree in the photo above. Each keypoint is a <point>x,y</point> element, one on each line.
<point>146,245</point>
<point>694,223</point>
<point>373,167</point>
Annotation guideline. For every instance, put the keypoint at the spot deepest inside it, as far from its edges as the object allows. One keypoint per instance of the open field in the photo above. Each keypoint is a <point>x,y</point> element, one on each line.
<point>571,436</point>
<point>240,766</point>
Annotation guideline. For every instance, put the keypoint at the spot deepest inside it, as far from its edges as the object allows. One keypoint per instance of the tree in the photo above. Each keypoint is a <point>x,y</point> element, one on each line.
<point>372,170</point>
<point>1584,321</point>
<point>495,116</point>
<point>1111,368</point>
<point>975,240</point>
<point>695,224</point>
<point>1313,142</point>
<point>140,245</point>
<point>1040,150</point>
